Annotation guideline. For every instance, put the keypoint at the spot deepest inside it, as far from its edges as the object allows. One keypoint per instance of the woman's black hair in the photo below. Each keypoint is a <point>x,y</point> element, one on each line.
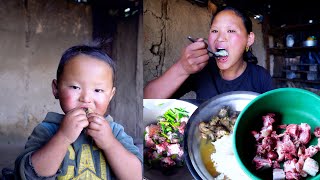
<point>248,55</point>
<point>93,51</point>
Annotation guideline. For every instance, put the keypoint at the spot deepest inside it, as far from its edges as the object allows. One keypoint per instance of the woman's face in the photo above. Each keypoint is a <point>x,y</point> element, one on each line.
<point>228,32</point>
<point>86,82</point>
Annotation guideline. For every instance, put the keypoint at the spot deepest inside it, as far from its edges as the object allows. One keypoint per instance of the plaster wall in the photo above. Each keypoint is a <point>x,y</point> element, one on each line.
<point>167,23</point>
<point>33,37</point>
<point>258,47</point>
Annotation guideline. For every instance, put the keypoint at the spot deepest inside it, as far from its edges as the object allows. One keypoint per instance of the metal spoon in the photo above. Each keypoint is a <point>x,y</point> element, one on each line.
<point>216,54</point>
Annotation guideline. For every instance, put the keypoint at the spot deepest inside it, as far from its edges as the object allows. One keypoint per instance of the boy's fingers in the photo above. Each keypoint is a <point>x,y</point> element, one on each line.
<point>83,123</point>
<point>94,126</point>
<point>95,118</point>
<point>77,111</point>
<point>78,118</point>
<point>91,132</point>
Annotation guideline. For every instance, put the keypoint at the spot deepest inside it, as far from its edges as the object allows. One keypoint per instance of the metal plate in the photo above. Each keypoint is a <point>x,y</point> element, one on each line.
<point>237,100</point>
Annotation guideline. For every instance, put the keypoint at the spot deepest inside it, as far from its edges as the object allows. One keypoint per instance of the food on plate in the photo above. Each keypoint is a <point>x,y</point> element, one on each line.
<point>225,161</point>
<point>290,148</point>
<point>163,140</point>
<point>219,125</point>
<point>216,144</point>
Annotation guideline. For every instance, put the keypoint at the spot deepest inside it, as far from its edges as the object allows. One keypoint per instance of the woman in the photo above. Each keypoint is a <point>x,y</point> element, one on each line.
<point>230,30</point>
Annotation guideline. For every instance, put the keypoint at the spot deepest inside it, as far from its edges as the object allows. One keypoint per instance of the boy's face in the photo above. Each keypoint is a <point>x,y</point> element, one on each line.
<point>85,82</point>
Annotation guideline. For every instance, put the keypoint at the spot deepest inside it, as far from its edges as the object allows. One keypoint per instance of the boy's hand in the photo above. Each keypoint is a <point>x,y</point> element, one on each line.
<point>73,123</point>
<point>99,129</point>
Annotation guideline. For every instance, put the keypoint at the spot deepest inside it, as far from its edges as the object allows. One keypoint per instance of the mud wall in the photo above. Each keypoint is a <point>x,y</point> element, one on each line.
<point>33,36</point>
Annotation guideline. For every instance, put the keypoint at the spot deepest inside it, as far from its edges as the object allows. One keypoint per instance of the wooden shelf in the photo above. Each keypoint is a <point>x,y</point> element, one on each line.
<point>300,64</point>
<point>292,28</point>
<point>310,48</point>
<point>297,80</point>
<point>299,71</point>
<point>291,50</point>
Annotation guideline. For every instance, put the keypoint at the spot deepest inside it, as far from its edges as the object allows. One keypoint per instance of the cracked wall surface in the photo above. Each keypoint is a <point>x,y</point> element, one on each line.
<point>167,23</point>
<point>153,32</point>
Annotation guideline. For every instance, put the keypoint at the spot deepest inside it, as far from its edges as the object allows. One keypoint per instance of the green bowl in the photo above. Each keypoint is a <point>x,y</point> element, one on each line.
<point>291,106</point>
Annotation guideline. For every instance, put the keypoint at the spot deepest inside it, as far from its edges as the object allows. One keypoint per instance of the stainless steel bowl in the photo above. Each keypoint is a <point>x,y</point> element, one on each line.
<point>237,100</point>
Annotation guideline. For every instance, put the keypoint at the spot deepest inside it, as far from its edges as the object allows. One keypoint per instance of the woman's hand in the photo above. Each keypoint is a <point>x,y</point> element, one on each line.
<point>194,57</point>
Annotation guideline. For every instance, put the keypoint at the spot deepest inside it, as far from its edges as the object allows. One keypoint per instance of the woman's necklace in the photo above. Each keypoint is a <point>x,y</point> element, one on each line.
<point>242,69</point>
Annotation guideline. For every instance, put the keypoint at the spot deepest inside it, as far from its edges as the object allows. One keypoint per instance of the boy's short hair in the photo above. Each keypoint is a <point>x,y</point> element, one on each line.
<point>88,50</point>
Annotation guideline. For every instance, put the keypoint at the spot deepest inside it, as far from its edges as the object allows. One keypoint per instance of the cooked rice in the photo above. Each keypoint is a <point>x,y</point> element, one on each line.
<point>225,161</point>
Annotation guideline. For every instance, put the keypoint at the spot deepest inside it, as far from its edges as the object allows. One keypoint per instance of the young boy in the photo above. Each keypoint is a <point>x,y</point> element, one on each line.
<point>83,143</point>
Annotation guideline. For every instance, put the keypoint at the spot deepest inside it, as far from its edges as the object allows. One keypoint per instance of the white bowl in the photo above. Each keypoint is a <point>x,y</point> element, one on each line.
<point>309,43</point>
<point>152,108</point>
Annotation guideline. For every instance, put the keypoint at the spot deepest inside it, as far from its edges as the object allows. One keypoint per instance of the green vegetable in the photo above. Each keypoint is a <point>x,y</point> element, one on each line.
<point>169,123</point>
<point>171,120</point>
<point>164,135</point>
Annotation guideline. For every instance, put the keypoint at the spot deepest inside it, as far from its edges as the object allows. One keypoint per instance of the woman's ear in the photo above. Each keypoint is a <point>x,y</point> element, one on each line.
<point>54,87</point>
<point>250,39</point>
